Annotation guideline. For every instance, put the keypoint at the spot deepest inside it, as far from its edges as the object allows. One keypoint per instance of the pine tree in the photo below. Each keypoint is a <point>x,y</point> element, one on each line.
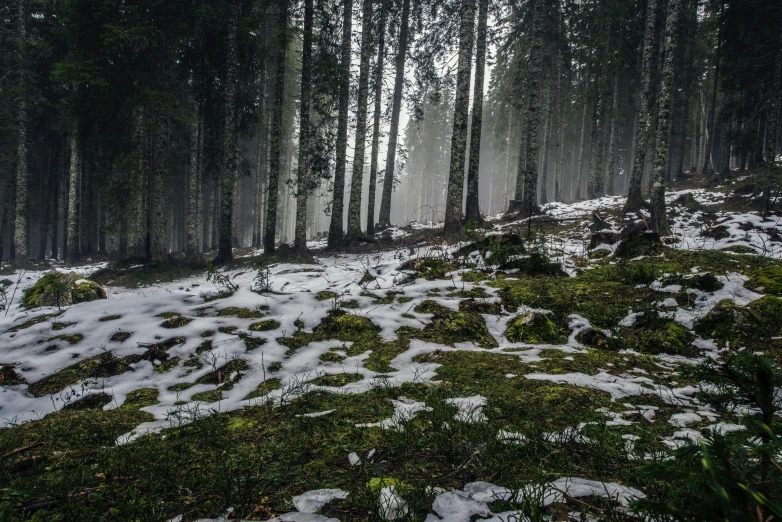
<point>473,210</point>
<point>381,31</point>
<point>304,181</point>
<point>455,194</point>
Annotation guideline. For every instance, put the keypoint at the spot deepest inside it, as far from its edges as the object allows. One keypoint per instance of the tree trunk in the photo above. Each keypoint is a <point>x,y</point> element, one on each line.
<point>772,118</point>
<point>659,220</point>
<point>612,145</point>
<point>276,131</point>
<point>533,110</point>
<point>578,176</point>
<point>357,180</point>
<point>546,140</point>
<point>634,198</point>
<point>230,145</point>
<point>561,122</point>
<point>708,159</point>
<point>20,220</point>
<point>399,81</point>
<point>71,236</point>
<point>303,176</point>
<point>194,182</point>
<point>473,210</point>
<point>455,194</point>
<point>376,125</point>
<point>338,199</point>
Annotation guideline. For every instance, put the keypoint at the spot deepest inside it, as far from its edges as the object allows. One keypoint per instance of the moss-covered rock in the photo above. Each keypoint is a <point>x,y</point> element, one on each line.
<point>595,338</point>
<point>533,328</point>
<point>767,280</point>
<point>728,322</point>
<point>265,326</point>
<point>768,310</point>
<point>456,327</point>
<point>660,336</point>
<point>62,289</point>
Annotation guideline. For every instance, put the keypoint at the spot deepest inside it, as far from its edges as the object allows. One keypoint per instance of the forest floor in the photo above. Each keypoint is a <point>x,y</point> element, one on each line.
<point>417,381</point>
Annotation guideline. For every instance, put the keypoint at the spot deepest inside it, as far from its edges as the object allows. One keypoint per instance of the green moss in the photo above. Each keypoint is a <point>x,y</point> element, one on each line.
<point>337,380</point>
<point>208,396</point>
<point>167,365</point>
<point>207,333</point>
<point>473,276</point>
<point>325,295</point>
<point>120,337</point>
<point>193,361</point>
<point>769,279</point>
<point>103,365</point>
<point>70,339</point>
<point>429,268</point>
<point>241,313</point>
<point>32,322</point>
<point>332,357</point>
<point>728,322</point>
<point>350,304</point>
<point>264,388</point>
<point>204,347</point>
<point>221,375</point>
<point>181,386</point>
<point>141,397</point>
<point>252,343</point>
<point>659,336</point>
<point>453,327</point>
<point>431,307</point>
<point>533,328</point>
<point>109,318</point>
<point>61,289</point>
<point>61,326</point>
<point>174,320</point>
<point>227,329</point>
<point>768,310</point>
<point>265,326</point>
<point>275,367</point>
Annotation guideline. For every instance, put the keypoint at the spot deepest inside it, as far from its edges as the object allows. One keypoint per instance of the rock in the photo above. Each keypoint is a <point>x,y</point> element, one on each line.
<point>595,338</point>
<point>62,289</point>
<point>708,283</point>
<point>727,322</point>
<point>533,328</point>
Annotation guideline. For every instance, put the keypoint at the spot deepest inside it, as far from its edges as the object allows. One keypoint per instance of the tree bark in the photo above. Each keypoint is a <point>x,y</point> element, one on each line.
<point>357,180</point>
<point>193,184</point>
<point>376,124</point>
<point>612,140</point>
<point>546,140</point>
<point>399,81</point>
<point>708,153</point>
<point>473,210</point>
<point>303,180</point>
<point>561,122</point>
<point>659,220</point>
<point>455,194</point>
<point>338,199</point>
<point>276,131</point>
<point>772,130</point>
<point>20,219</point>
<point>71,236</point>
<point>230,145</point>
<point>634,199</point>
<point>578,177</point>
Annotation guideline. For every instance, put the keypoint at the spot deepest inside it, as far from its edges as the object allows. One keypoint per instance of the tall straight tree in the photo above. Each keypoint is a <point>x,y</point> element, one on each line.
<point>533,107</point>
<point>338,203</point>
<point>303,177</point>
<point>659,221</point>
<point>381,42</point>
<point>772,129</point>
<point>20,221</point>
<point>357,180</point>
<point>473,210</point>
<point>275,162</point>
<point>396,108</point>
<point>708,151</point>
<point>229,172</point>
<point>72,253</point>
<point>642,124</point>
<point>455,194</point>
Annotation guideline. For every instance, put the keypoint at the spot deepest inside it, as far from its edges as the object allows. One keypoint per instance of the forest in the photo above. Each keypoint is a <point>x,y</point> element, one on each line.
<point>415,260</point>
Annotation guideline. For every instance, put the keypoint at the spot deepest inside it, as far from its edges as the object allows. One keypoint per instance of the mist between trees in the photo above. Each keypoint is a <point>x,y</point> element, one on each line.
<point>151,128</point>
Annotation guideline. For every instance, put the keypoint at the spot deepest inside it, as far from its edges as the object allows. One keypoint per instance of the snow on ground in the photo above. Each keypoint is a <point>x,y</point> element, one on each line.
<point>139,310</point>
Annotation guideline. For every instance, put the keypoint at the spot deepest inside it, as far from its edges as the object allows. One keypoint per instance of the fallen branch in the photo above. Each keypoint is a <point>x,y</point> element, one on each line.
<point>21,450</point>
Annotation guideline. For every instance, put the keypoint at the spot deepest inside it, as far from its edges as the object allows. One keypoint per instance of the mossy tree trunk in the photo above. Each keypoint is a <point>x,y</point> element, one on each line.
<point>396,108</point>
<point>381,43</point>
<point>634,199</point>
<point>659,220</point>
<point>455,194</point>
<point>473,209</point>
